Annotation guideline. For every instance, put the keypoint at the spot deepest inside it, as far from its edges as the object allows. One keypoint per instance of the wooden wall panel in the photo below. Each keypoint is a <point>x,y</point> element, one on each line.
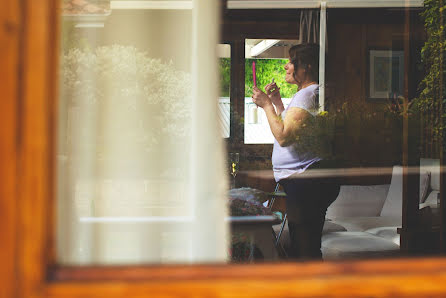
<point>349,40</point>
<point>274,24</point>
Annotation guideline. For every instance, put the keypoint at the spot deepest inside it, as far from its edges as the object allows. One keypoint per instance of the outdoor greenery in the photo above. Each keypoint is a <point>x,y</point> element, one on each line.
<point>225,76</point>
<point>432,87</point>
<point>129,80</point>
<point>266,70</point>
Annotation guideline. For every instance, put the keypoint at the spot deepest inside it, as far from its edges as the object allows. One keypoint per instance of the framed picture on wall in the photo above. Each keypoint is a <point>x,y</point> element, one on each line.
<point>386,74</point>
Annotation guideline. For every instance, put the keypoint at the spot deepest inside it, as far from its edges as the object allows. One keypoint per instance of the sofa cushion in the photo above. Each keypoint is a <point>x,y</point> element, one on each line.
<point>389,233</point>
<point>432,166</point>
<point>431,200</point>
<point>355,200</point>
<point>393,205</point>
<point>360,224</point>
<point>425,181</point>
<point>329,227</point>
<point>394,201</point>
<point>356,245</point>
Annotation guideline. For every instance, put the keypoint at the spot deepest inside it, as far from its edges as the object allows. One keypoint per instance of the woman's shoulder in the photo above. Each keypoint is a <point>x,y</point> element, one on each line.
<point>306,99</point>
<point>309,92</point>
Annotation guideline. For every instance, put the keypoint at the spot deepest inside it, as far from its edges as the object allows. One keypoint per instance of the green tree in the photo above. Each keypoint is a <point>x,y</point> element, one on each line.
<point>432,87</point>
<point>225,76</point>
<point>266,70</point>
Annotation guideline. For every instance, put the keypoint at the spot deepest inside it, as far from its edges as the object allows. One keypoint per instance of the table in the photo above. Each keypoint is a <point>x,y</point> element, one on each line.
<point>258,229</point>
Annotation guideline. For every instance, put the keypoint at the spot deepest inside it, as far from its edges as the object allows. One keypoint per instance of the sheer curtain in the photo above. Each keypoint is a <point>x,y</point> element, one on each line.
<point>140,160</point>
<point>309,26</point>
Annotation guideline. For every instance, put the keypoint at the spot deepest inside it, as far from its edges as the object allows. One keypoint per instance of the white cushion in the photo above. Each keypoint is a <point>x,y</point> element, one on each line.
<point>431,200</point>
<point>329,227</point>
<point>425,181</point>
<point>432,166</point>
<point>393,205</point>
<point>389,233</point>
<point>355,200</point>
<point>360,224</point>
<point>356,245</point>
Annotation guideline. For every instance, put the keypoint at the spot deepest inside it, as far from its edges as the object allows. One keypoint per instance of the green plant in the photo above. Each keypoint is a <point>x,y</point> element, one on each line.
<point>266,70</point>
<point>432,87</point>
<point>126,81</point>
<point>225,76</point>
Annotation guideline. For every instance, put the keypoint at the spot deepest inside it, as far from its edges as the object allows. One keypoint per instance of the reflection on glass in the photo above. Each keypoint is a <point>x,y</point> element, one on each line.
<point>224,54</point>
<point>234,159</point>
<point>370,132</point>
<point>137,179</point>
<point>126,131</point>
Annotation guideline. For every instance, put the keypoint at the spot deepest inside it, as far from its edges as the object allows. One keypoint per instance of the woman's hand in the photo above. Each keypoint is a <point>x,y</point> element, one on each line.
<point>273,92</point>
<point>260,98</point>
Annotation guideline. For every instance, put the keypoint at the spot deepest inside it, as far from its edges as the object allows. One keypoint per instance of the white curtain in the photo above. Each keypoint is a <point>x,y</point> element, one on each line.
<point>309,26</point>
<point>140,171</point>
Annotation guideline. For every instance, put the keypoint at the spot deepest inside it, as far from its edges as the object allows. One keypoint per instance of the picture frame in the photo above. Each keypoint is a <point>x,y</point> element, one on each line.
<point>386,74</point>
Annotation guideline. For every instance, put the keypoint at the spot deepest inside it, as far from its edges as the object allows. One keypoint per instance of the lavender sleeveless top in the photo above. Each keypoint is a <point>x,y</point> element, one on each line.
<point>286,160</point>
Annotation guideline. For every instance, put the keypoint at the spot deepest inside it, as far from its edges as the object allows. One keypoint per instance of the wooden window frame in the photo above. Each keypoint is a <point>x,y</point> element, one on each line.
<point>27,143</point>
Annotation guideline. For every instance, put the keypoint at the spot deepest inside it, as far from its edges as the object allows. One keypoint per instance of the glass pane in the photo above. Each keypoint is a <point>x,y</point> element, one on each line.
<point>131,185</point>
<point>142,171</point>
<point>356,132</point>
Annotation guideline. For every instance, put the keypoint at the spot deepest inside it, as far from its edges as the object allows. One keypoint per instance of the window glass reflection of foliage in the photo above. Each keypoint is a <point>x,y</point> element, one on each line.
<point>225,76</point>
<point>266,70</point>
<point>432,87</point>
<point>134,84</point>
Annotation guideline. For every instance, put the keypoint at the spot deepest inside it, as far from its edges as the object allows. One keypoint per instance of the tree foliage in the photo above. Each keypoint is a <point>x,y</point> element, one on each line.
<point>225,76</point>
<point>432,87</point>
<point>266,70</point>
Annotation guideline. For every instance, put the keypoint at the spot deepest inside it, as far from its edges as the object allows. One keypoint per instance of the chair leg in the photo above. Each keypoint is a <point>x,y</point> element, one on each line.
<point>277,243</point>
<point>279,247</point>
<point>282,227</point>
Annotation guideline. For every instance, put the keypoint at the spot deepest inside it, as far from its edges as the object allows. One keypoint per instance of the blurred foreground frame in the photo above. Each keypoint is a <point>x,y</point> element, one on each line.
<point>27,229</point>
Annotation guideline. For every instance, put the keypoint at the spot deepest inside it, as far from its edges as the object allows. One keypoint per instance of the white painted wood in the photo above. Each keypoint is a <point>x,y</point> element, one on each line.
<point>263,46</point>
<point>208,180</point>
<point>322,40</point>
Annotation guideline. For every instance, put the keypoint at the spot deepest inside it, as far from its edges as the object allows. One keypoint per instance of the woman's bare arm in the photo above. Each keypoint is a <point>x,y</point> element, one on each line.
<point>285,130</point>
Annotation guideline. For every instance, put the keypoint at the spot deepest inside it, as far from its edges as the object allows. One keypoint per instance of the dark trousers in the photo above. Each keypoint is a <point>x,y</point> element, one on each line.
<point>307,203</point>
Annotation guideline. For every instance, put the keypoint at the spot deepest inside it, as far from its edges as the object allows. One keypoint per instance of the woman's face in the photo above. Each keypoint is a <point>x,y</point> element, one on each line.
<point>290,77</point>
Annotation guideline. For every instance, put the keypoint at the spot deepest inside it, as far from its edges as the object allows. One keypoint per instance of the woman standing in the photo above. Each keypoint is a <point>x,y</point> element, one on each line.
<point>307,198</point>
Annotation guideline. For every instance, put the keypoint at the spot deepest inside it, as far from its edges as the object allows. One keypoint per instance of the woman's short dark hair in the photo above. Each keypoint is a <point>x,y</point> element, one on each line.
<point>303,55</point>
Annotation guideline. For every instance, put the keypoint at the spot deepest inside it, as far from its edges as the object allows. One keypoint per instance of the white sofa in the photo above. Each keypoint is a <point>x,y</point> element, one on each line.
<point>363,220</point>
